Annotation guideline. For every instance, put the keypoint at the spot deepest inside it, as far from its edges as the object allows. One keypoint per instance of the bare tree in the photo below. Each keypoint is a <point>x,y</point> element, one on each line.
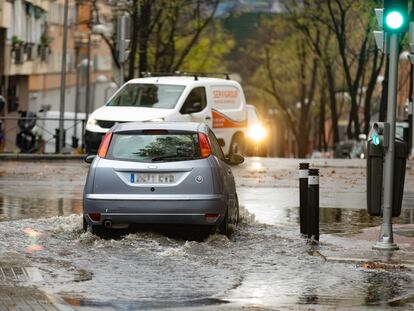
<point>354,61</point>
<point>303,72</point>
<point>163,32</point>
<point>319,40</point>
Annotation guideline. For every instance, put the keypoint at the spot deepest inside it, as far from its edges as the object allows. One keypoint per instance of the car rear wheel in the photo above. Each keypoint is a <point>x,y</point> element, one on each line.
<point>237,210</point>
<point>229,224</point>
<point>85,225</point>
<point>224,226</point>
<point>98,230</point>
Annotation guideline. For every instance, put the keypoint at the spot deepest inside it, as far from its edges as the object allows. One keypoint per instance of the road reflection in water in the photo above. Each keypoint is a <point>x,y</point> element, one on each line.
<point>265,265</point>
<point>13,208</point>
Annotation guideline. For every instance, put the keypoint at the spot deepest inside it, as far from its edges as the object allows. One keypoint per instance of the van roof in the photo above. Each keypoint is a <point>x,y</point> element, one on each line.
<point>183,80</point>
<point>173,126</point>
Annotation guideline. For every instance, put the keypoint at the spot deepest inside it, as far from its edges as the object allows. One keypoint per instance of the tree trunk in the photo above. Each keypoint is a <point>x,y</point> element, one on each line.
<point>302,146</point>
<point>145,14</point>
<point>330,79</point>
<point>322,140</point>
<point>353,117</point>
<point>134,40</point>
<point>302,140</point>
<point>370,90</point>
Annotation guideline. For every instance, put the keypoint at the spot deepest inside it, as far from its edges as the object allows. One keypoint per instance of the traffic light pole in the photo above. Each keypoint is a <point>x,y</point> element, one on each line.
<point>386,239</point>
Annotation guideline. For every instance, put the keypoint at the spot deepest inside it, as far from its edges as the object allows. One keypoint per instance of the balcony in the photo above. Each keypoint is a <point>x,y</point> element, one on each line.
<point>28,60</point>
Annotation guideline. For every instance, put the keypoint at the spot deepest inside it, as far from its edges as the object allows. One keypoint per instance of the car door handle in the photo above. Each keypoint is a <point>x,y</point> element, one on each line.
<point>207,118</point>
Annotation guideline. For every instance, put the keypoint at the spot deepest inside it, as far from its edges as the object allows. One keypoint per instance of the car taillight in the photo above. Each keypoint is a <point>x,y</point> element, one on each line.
<point>204,145</point>
<point>95,216</point>
<point>103,148</point>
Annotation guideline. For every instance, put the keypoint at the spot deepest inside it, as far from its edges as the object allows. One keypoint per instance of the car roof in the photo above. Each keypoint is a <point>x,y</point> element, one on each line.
<point>182,80</point>
<point>172,126</point>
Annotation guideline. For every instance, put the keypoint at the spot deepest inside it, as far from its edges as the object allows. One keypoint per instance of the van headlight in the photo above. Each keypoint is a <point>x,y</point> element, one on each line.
<point>157,120</point>
<point>92,121</point>
<point>257,132</point>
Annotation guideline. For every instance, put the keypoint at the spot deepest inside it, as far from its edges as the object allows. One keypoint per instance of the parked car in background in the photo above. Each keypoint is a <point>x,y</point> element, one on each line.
<point>351,149</point>
<point>161,173</point>
<point>220,103</point>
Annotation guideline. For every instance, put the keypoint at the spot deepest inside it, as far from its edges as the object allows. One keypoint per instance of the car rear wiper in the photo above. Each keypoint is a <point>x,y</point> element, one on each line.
<point>169,156</point>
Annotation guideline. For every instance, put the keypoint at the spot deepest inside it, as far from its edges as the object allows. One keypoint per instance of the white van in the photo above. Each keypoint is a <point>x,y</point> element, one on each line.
<point>220,103</point>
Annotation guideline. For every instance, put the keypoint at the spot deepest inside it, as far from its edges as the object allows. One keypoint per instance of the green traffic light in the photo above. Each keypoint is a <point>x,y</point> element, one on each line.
<point>394,20</point>
<point>376,140</point>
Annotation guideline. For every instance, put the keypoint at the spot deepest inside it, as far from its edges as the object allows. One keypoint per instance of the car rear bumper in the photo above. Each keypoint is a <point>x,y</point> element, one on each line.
<point>136,209</point>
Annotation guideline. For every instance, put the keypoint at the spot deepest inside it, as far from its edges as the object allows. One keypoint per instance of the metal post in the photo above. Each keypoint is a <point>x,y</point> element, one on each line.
<point>313,204</point>
<point>75,140</point>
<point>303,196</point>
<point>411,99</point>
<point>122,43</point>
<point>63,76</point>
<point>88,77</point>
<point>121,74</point>
<point>410,106</point>
<point>83,133</point>
<point>410,112</point>
<point>57,140</point>
<point>386,239</point>
<point>411,115</point>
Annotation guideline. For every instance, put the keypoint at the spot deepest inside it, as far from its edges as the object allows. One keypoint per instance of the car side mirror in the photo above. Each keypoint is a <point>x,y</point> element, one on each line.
<point>221,142</point>
<point>234,159</point>
<point>89,159</point>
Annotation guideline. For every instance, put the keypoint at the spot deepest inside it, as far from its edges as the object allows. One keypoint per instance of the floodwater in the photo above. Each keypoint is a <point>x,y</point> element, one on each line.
<point>264,265</point>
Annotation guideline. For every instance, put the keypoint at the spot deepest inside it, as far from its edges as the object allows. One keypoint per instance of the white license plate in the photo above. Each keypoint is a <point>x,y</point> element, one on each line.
<point>152,178</point>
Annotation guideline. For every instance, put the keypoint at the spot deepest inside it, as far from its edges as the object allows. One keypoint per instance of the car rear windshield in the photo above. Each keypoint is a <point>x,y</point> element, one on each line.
<point>152,148</point>
<point>148,96</point>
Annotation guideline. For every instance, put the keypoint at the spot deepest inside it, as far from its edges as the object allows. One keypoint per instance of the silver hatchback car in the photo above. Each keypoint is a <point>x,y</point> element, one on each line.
<point>160,173</point>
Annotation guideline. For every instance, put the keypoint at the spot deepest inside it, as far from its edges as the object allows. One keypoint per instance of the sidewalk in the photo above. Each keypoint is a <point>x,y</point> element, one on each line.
<point>358,248</point>
<point>17,286</point>
<point>39,157</point>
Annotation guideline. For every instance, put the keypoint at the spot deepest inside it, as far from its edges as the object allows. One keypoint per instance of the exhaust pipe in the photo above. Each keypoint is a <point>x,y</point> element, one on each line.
<point>108,224</point>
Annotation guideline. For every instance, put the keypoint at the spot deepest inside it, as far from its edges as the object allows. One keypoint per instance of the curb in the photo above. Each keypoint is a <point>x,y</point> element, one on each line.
<point>40,157</point>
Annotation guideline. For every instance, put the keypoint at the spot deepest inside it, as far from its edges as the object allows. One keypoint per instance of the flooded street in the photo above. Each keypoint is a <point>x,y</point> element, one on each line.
<point>265,265</point>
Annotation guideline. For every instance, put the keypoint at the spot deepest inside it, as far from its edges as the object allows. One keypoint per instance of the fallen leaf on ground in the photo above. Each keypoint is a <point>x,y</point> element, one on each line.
<point>381,266</point>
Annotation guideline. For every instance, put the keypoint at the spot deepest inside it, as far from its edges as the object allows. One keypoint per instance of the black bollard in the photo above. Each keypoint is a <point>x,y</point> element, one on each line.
<point>313,204</point>
<point>56,140</point>
<point>303,196</point>
<point>57,137</point>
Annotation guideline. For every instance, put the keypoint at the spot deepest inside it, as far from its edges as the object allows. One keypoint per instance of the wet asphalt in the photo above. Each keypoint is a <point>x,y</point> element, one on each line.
<point>265,265</point>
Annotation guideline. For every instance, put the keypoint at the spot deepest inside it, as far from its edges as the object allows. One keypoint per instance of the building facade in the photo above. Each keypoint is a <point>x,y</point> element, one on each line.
<point>31,34</point>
